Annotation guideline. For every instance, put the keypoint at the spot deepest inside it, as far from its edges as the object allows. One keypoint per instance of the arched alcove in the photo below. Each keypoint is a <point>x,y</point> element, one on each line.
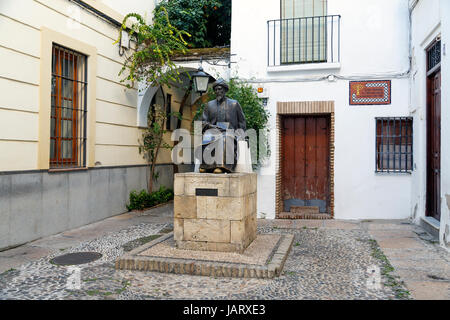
<point>147,93</point>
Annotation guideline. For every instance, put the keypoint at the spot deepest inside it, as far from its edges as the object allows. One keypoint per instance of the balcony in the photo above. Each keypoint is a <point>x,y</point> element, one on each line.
<point>309,42</point>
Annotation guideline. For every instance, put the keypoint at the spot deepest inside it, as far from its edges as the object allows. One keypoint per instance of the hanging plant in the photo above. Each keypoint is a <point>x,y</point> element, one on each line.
<point>151,63</point>
<point>156,44</point>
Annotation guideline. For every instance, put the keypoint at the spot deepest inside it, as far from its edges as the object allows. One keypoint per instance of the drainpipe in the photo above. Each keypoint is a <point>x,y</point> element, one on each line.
<point>411,7</point>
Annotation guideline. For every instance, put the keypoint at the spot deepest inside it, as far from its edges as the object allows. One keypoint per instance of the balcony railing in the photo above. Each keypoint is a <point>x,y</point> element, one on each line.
<point>304,40</point>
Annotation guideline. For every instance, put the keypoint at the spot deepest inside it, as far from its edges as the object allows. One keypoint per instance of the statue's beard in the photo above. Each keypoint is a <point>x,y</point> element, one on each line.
<point>220,97</point>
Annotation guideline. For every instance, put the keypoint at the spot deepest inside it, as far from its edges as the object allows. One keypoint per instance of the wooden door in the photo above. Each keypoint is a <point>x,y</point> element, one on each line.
<point>433,207</point>
<point>305,163</point>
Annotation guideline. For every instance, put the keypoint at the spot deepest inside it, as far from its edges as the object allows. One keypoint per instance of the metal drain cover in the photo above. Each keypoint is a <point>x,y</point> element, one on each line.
<point>76,258</point>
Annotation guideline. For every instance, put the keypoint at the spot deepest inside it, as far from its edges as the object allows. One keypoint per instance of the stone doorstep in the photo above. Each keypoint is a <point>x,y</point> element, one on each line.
<point>305,209</point>
<point>133,261</point>
<point>304,215</point>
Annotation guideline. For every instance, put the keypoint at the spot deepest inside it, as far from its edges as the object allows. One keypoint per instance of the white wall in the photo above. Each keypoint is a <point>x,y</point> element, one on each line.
<point>374,36</point>
<point>37,204</point>
<point>374,45</point>
<point>117,131</point>
<point>445,120</point>
<point>144,8</point>
<point>430,19</point>
<point>425,21</point>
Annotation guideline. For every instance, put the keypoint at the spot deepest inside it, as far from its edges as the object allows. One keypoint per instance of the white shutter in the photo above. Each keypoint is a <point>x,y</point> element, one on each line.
<point>303,40</point>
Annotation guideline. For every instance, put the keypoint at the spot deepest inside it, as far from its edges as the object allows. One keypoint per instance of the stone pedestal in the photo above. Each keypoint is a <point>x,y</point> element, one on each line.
<point>215,212</point>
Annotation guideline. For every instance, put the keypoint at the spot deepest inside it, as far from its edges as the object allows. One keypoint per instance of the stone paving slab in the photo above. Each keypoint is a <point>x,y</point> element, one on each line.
<point>27,252</point>
<point>410,254</point>
<point>394,225</point>
<point>387,234</point>
<point>415,274</point>
<point>61,241</point>
<point>418,260</point>
<point>422,264</point>
<point>11,263</point>
<point>400,243</point>
<point>344,225</point>
<point>300,224</point>
<point>255,262</point>
<point>426,290</point>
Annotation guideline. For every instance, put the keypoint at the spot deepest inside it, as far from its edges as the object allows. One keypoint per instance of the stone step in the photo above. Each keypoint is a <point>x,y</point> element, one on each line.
<point>304,209</point>
<point>313,216</point>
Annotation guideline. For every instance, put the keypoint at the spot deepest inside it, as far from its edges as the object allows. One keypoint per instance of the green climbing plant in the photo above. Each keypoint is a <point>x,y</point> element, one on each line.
<point>156,45</point>
<point>153,140</point>
<point>151,63</point>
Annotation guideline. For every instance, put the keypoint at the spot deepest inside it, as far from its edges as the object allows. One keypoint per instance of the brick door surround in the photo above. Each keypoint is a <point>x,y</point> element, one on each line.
<point>302,108</point>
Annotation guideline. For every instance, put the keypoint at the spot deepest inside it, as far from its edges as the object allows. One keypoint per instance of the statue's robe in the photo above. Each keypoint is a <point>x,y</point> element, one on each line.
<point>227,114</point>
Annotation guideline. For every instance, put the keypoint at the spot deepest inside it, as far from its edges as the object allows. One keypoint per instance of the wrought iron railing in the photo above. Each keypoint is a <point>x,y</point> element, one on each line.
<point>304,40</point>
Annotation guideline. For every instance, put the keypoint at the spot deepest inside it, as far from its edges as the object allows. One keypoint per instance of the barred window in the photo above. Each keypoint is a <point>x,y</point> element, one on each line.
<point>68,109</point>
<point>394,144</point>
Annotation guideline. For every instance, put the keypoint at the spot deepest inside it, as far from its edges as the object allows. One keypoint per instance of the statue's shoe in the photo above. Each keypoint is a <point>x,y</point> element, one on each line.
<point>201,170</point>
<point>217,170</point>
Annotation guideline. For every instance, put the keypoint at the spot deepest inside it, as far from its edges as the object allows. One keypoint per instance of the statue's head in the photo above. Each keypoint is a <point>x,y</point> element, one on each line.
<point>220,88</point>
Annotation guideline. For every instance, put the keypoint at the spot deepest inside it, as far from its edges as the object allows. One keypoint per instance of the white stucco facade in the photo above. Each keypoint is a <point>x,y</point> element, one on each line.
<point>379,40</point>
<point>374,44</point>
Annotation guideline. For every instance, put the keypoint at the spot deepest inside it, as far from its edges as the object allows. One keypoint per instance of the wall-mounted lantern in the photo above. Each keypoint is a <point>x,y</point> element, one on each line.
<point>200,80</point>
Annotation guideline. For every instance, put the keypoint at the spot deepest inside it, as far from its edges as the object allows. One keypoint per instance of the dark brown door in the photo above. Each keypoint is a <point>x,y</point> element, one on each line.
<point>434,145</point>
<point>305,162</point>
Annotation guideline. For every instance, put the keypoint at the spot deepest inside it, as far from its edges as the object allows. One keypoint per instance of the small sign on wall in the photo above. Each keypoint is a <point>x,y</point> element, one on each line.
<point>376,92</point>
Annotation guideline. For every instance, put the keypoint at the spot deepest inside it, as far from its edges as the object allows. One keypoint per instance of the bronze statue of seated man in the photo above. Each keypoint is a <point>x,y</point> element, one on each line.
<point>223,125</point>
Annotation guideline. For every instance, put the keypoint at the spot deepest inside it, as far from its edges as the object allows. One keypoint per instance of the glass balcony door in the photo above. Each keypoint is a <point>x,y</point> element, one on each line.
<point>303,31</point>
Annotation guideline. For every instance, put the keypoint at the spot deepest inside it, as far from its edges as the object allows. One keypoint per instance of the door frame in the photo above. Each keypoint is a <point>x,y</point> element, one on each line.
<point>303,108</point>
<point>433,66</point>
<point>429,95</point>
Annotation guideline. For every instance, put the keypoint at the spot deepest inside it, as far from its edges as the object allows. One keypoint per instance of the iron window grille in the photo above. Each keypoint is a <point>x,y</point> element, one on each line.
<point>394,144</point>
<point>434,56</point>
<point>68,109</point>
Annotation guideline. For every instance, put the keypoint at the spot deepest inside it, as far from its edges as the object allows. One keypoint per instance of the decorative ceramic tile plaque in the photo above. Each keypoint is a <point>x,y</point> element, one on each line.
<point>377,92</point>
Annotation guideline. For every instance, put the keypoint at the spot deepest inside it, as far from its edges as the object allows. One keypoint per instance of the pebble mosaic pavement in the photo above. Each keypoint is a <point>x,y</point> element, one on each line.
<point>322,264</point>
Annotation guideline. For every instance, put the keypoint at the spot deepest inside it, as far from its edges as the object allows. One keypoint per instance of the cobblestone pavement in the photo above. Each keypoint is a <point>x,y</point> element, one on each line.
<point>328,260</point>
